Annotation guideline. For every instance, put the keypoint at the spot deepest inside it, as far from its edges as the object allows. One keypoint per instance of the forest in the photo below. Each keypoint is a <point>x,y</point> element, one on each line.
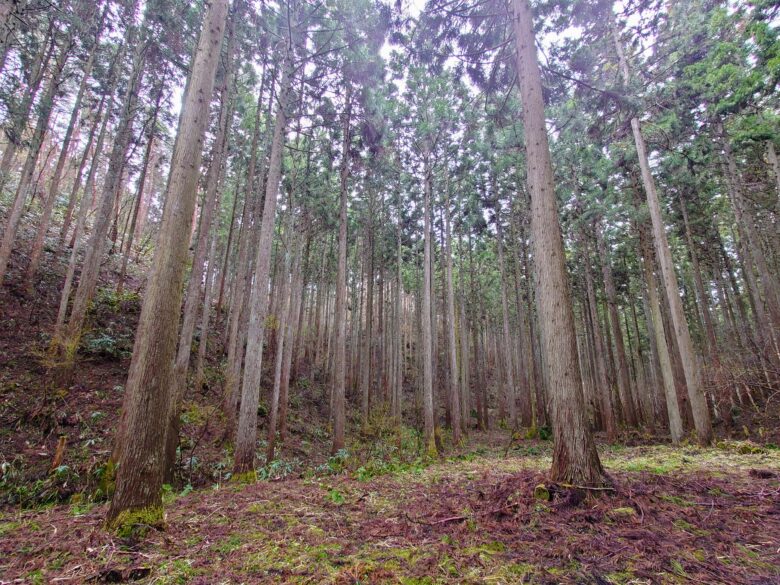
<point>415,292</point>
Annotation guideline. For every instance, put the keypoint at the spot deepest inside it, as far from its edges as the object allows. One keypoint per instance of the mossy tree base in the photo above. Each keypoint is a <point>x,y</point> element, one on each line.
<point>136,523</point>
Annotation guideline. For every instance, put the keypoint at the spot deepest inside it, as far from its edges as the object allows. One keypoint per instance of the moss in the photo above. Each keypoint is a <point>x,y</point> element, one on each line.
<point>58,561</point>
<point>621,577</point>
<point>514,573</point>
<point>176,572</point>
<point>485,551</point>
<point>431,451</point>
<point>233,542</point>
<point>542,493</point>
<point>247,477</point>
<point>8,527</point>
<point>136,523</point>
<point>290,556</point>
<point>448,567</point>
<point>106,481</point>
<point>677,500</point>
<point>622,512</point>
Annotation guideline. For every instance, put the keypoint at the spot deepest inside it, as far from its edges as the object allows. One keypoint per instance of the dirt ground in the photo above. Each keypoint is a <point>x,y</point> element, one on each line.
<point>677,515</point>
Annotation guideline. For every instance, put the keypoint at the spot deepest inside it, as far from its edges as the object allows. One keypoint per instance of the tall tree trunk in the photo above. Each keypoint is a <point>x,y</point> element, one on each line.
<point>604,390</point>
<point>19,117</point>
<point>147,160</point>
<point>338,412</point>
<point>452,346</point>
<point>206,312</point>
<point>85,157</point>
<point>747,231</point>
<point>425,317</point>
<point>148,396</point>
<point>693,379</point>
<point>54,185</point>
<point>247,244</point>
<point>81,220</point>
<point>624,383</point>
<point>246,434</point>
<point>655,323</point>
<point>285,293</point>
<point>508,349</point>
<point>368,339</point>
<point>575,459</point>
<point>25,186</point>
<point>192,300</point>
<point>97,245</point>
<point>10,17</point>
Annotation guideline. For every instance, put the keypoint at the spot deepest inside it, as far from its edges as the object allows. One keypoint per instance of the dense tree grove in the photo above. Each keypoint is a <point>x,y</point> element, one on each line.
<point>557,216</point>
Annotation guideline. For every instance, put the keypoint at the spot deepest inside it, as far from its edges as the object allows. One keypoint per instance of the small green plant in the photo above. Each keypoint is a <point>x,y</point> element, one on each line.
<point>108,345</point>
<point>336,497</point>
<point>278,469</point>
<point>545,433</point>
<point>109,299</point>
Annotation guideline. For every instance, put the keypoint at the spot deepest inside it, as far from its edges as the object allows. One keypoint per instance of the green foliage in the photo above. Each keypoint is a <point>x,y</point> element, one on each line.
<point>18,490</point>
<point>279,469</point>
<point>336,497</point>
<point>169,495</point>
<point>107,344</point>
<point>108,300</point>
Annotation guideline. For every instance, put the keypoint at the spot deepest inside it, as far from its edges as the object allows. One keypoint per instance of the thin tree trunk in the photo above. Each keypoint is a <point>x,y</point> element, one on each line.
<point>507,350</point>
<point>73,199</point>
<point>452,348</point>
<point>54,186</point>
<point>655,324</point>
<point>97,247</point>
<point>624,384</point>
<point>284,293</point>
<point>604,391</point>
<point>338,412</point>
<point>25,187</point>
<point>20,117</point>
<point>693,378</point>
<point>206,312</point>
<point>140,194</point>
<point>247,244</point>
<point>81,220</point>
<point>246,435</point>
<point>425,318</point>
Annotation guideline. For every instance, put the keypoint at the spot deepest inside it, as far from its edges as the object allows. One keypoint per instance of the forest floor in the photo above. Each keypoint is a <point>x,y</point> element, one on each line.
<point>677,515</point>
<point>377,513</point>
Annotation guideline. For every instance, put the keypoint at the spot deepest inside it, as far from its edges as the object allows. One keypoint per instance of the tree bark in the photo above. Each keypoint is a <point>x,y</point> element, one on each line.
<point>452,347</point>
<point>604,391</point>
<point>575,459</point>
<point>655,324</point>
<point>693,379</point>
<point>425,317</point>
<point>246,435</point>
<point>148,396</point>
<point>97,246</point>
<point>340,316</point>
<point>24,188</point>
<point>624,383</point>
<point>507,350</point>
<point>54,185</point>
